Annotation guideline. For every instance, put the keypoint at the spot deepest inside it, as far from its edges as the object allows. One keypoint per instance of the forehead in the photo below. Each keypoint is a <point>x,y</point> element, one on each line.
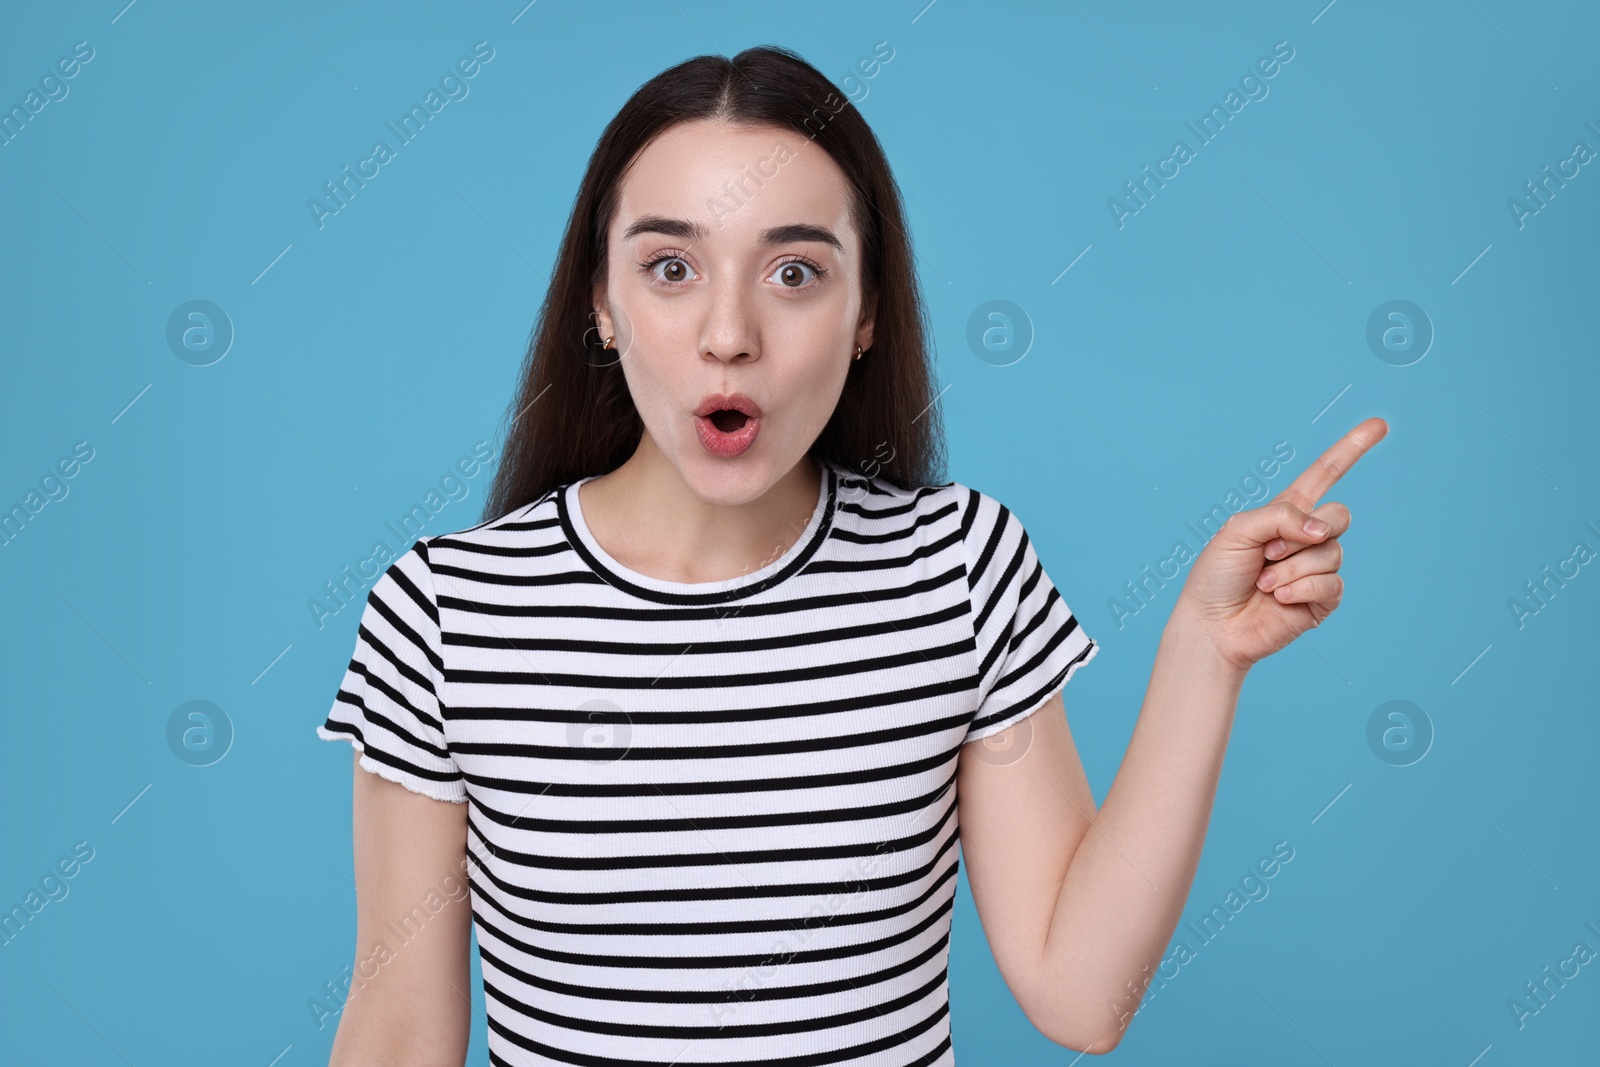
<point>736,180</point>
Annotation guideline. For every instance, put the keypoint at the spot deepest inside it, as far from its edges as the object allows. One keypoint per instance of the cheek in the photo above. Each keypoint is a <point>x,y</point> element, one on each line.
<point>815,386</point>
<point>648,382</point>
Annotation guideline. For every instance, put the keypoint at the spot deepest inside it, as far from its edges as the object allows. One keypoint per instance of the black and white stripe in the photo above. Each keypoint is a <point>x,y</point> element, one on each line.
<point>711,823</point>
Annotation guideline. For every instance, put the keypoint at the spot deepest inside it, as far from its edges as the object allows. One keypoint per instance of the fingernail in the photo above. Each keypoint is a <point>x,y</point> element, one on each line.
<point>1266,580</point>
<point>1315,527</point>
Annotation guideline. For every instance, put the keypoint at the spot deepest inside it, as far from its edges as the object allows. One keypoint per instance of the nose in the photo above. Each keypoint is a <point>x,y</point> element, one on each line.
<point>729,332</point>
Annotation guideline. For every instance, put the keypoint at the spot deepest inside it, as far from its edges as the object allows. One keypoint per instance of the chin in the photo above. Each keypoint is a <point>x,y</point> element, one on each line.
<point>729,482</point>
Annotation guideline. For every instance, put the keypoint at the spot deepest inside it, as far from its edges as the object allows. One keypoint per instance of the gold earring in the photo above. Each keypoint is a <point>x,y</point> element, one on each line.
<point>858,351</point>
<point>608,342</point>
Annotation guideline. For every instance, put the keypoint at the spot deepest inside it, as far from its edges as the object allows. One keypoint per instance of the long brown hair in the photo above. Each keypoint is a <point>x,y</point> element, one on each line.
<point>573,415</point>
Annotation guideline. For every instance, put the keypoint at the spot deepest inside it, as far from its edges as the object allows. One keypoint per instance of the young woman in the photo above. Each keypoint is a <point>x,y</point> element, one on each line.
<point>686,728</point>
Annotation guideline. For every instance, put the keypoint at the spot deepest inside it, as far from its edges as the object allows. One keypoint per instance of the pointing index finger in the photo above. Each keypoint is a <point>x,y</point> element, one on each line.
<point>1317,479</point>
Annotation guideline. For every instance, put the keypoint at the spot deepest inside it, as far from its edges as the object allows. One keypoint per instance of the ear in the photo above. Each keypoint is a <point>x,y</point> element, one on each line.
<point>865,329</point>
<point>600,318</point>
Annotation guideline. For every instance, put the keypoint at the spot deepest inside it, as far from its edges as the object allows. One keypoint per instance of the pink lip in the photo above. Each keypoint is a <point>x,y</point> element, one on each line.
<point>727,402</point>
<point>730,444</point>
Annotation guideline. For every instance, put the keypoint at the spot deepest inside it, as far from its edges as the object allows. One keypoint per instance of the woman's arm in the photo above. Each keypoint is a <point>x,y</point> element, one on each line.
<point>410,1003</point>
<point>1079,905</point>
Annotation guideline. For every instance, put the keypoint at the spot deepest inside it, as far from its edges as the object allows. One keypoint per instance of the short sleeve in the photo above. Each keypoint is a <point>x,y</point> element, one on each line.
<point>388,704</point>
<point>1028,641</point>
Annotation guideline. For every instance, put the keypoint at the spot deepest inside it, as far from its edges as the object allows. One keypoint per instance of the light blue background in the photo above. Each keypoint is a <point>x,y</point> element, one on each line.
<point>1227,315</point>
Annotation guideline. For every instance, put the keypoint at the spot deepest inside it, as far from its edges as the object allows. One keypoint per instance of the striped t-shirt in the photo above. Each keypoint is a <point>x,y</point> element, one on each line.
<point>710,823</point>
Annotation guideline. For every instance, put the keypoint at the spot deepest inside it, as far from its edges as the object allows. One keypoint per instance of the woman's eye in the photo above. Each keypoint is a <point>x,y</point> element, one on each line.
<point>673,270</point>
<point>794,274</point>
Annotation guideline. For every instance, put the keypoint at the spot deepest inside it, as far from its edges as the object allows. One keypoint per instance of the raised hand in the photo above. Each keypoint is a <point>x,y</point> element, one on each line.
<point>1264,578</point>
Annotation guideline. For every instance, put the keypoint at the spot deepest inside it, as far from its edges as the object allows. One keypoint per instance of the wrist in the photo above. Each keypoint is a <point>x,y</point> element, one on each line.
<point>1190,638</point>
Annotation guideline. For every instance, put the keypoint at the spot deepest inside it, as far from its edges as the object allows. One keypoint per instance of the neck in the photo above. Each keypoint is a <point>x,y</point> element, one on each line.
<point>651,520</point>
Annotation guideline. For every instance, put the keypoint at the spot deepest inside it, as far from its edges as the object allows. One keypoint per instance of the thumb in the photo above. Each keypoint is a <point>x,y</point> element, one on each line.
<point>1257,527</point>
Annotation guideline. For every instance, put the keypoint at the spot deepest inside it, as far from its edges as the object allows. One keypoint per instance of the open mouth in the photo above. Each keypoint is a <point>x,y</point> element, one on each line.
<point>727,423</point>
<point>728,420</point>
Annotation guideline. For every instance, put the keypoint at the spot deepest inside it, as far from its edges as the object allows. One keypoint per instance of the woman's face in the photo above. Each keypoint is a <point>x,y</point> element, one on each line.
<point>733,268</point>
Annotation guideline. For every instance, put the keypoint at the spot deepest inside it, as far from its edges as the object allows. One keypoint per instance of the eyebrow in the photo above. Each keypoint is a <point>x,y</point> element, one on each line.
<point>685,230</point>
